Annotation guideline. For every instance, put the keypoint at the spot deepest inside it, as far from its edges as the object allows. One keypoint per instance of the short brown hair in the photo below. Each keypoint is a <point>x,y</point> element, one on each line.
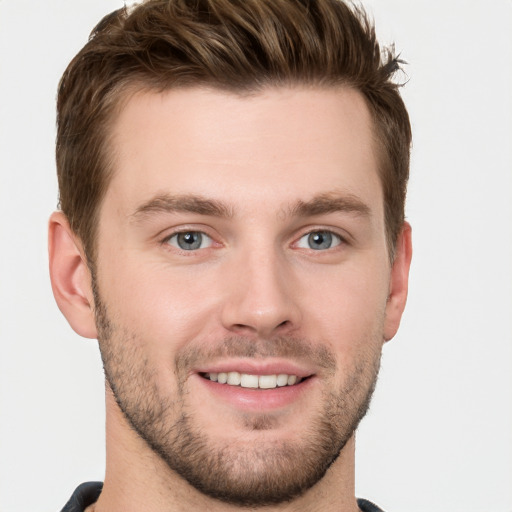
<point>235,45</point>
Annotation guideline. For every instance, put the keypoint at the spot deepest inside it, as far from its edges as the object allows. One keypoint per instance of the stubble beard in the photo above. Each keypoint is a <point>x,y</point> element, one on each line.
<point>262,473</point>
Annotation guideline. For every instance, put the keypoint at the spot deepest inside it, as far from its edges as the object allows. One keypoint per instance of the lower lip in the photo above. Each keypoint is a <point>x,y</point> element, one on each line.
<point>251,399</point>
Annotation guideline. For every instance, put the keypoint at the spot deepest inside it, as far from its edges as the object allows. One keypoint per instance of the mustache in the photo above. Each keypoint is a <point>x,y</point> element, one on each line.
<point>297,348</point>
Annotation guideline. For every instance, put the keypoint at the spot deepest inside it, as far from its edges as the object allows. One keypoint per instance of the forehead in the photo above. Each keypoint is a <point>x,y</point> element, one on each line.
<point>278,145</point>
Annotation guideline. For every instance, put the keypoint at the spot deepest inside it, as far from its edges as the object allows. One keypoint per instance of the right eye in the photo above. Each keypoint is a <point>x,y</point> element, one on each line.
<point>189,240</point>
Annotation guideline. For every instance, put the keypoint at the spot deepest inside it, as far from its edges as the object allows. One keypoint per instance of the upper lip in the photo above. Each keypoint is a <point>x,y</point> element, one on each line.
<point>254,367</point>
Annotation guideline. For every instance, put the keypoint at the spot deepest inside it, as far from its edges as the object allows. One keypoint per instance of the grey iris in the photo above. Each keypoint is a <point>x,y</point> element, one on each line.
<point>189,240</point>
<point>320,240</point>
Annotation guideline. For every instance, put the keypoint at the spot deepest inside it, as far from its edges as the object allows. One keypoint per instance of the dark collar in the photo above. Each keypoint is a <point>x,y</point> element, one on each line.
<point>87,493</point>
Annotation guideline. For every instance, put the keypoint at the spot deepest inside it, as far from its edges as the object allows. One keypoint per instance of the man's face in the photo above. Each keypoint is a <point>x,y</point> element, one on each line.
<point>243,238</point>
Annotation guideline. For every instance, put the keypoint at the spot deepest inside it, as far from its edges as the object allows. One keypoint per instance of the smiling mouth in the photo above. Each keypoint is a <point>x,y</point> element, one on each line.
<point>246,380</point>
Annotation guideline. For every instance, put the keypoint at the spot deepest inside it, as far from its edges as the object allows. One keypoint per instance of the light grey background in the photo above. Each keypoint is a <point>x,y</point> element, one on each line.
<point>439,434</point>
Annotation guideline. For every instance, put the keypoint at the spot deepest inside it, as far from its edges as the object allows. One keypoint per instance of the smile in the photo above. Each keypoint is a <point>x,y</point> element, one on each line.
<point>246,380</point>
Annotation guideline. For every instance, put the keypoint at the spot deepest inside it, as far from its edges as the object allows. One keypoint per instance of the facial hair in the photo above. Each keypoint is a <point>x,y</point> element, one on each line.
<point>262,473</point>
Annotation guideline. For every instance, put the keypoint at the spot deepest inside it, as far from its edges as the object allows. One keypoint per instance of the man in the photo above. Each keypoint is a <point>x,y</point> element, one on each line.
<point>232,182</point>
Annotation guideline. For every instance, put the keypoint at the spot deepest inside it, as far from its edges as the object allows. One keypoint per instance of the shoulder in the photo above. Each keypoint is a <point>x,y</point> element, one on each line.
<point>85,494</point>
<point>367,506</point>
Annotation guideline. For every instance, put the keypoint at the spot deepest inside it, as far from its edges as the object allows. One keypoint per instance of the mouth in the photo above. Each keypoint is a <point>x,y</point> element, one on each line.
<point>252,381</point>
<point>256,386</point>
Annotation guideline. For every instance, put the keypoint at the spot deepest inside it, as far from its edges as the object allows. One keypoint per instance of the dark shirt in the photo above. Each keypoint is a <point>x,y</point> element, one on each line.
<point>86,494</point>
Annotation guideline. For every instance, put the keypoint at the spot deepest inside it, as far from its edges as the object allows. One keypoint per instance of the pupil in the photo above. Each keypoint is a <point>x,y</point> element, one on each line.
<point>189,241</point>
<point>320,240</point>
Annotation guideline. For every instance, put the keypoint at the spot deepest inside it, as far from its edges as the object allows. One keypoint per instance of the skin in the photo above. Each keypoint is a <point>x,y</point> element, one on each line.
<point>258,159</point>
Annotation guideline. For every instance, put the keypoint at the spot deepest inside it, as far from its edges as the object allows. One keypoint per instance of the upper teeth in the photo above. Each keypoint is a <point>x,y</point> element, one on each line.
<point>246,380</point>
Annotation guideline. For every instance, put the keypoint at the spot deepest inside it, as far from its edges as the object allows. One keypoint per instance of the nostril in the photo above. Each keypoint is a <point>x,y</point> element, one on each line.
<point>244,327</point>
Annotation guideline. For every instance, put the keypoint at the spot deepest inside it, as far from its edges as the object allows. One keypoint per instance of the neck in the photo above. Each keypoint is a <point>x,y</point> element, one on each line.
<point>138,480</point>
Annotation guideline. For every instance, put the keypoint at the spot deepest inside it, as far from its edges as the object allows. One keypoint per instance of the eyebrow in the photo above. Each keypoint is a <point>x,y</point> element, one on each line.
<point>190,203</point>
<point>330,203</point>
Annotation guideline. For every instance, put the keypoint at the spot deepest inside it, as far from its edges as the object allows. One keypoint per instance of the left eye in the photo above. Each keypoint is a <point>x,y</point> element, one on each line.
<point>319,240</point>
<point>190,240</point>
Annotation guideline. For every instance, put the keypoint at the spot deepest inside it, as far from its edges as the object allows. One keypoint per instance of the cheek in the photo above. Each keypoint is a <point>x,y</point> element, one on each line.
<point>156,302</point>
<point>351,286</point>
<point>350,309</point>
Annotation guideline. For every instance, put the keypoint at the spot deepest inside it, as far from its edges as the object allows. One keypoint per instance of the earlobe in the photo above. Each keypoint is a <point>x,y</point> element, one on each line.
<point>70,276</point>
<point>399,282</point>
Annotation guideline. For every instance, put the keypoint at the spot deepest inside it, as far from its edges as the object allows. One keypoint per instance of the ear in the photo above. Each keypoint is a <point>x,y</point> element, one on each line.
<point>399,282</point>
<point>70,276</point>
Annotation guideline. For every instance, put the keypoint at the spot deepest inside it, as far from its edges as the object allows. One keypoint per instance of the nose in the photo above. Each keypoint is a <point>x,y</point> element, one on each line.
<point>260,298</point>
